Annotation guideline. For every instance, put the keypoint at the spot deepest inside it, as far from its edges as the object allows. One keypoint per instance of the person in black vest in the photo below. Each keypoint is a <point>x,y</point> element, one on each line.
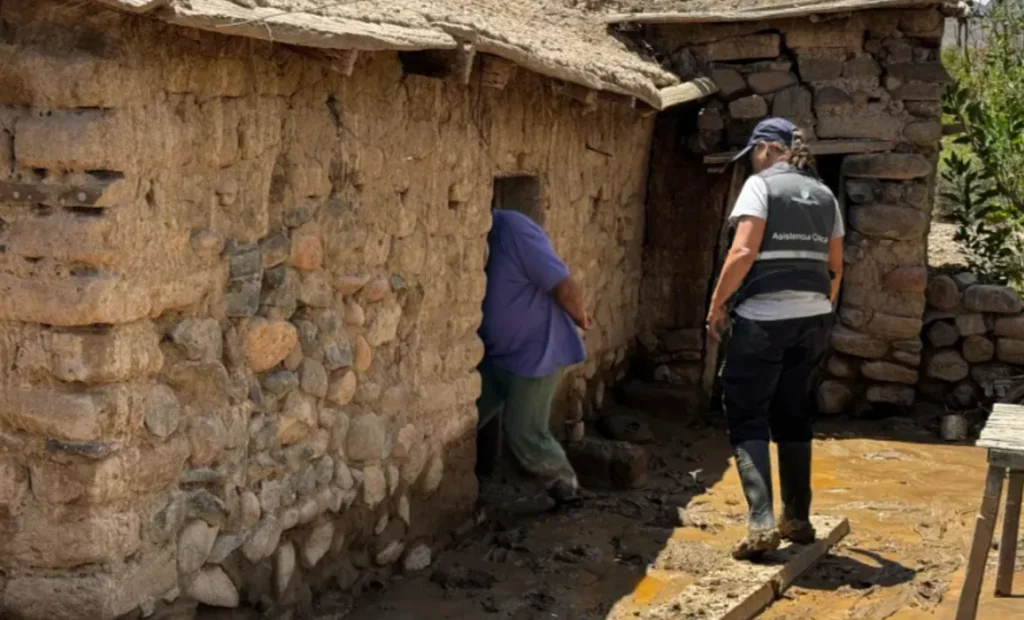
<point>781,278</point>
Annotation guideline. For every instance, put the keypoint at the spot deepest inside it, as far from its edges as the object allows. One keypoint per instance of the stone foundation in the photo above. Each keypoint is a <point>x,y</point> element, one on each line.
<point>974,341</point>
<point>240,301</point>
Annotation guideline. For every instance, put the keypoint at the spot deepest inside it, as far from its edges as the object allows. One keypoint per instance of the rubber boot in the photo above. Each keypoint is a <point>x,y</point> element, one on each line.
<point>795,483</point>
<point>755,467</point>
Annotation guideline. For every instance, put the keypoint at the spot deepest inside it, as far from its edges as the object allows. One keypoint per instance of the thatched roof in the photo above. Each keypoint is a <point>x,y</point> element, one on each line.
<point>565,39</point>
<point>695,11</point>
<point>545,36</point>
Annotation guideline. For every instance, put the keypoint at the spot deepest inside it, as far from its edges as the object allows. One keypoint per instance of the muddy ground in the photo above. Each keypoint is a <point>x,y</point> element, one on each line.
<point>910,499</point>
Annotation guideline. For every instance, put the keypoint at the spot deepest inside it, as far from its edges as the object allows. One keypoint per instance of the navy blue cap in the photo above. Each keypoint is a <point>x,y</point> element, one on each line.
<point>769,130</point>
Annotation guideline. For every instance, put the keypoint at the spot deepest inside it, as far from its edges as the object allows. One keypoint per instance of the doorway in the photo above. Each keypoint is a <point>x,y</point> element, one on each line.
<point>519,193</point>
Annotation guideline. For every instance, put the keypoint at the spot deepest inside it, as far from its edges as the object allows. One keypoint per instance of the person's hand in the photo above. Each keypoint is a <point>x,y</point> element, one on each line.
<point>588,322</point>
<point>716,322</point>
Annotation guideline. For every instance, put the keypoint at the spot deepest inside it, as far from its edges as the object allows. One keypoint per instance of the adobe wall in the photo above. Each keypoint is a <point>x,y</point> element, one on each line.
<point>868,83</point>
<point>240,295</point>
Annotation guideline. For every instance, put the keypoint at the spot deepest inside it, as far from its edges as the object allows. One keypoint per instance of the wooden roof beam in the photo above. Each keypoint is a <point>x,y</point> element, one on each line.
<point>697,88</point>
<point>820,147</point>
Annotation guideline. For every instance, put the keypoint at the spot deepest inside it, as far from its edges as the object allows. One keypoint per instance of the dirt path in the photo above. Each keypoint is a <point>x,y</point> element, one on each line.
<point>911,503</point>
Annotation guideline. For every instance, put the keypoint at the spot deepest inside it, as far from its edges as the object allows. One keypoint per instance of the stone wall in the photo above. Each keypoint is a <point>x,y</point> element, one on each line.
<point>868,85</point>
<point>973,338</point>
<point>240,301</point>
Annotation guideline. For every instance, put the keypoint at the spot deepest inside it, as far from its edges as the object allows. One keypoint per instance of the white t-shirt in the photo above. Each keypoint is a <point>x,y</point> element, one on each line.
<point>781,305</point>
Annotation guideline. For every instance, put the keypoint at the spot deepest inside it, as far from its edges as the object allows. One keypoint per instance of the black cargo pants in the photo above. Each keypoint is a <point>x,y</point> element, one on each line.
<point>770,372</point>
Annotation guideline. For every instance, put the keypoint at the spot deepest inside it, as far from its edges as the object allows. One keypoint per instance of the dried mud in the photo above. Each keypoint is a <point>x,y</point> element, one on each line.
<point>910,499</point>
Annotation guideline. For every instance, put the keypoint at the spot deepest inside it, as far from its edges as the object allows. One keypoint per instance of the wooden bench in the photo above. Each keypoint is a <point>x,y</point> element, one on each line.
<point>1003,436</point>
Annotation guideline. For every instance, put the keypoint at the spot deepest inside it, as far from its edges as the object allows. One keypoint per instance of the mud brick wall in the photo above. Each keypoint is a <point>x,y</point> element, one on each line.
<point>973,341</point>
<point>240,294</point>
<point>869,84</point>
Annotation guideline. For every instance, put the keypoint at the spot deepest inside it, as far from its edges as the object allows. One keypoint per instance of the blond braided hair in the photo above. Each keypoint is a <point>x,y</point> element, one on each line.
<point>797,154</point>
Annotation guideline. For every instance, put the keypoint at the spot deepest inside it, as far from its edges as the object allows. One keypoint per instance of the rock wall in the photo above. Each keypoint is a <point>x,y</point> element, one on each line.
<point>973,341</point>
<point>240,301</point>
<point>869,84</point>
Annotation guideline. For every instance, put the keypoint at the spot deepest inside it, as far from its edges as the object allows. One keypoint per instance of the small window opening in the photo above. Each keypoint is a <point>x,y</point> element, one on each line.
<point>519,193</point>
<point>430,63</point>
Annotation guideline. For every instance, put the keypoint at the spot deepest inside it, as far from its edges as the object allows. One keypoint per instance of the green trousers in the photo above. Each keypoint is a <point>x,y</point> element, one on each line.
<point>525,407</point>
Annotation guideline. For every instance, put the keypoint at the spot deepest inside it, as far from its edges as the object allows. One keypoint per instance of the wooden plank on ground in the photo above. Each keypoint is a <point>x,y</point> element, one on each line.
<point>734,590</point>
<point>1004,429</point>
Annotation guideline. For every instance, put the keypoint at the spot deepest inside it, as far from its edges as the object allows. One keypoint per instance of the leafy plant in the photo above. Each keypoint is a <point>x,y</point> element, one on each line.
<point>984,171</point>
<point>988,232</point>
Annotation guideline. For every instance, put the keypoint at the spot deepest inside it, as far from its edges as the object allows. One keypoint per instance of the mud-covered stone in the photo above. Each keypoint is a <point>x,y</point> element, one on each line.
<point>602,462</point>
<point>834,397</point>
<point>912,279</point>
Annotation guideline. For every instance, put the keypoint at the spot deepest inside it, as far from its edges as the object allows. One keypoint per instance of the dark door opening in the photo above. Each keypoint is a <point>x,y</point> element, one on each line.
<point>522,194</point>
<point>519,193</point>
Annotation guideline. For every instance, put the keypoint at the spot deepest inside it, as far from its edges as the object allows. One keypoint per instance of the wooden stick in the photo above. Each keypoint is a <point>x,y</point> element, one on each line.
<point>687,91</point>
<point>1008,544</point>
<point>967,606</point>
<point>756,13</point>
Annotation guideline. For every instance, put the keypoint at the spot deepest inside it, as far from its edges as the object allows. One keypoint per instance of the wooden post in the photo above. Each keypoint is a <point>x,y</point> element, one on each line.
<point>1008,544</point>
<point>711,347</point>
<point>967,607</point>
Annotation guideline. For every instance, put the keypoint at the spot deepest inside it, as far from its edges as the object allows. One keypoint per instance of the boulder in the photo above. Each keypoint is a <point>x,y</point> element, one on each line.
<point>267,343</point>
<point>749,47</point>
<point>751,107</point>
<point>992,298</point>
<point>850,342</point>
<point>889,222</point>
<point>730,82</point>
<point>977,349</point>
<point>623,427</point>
<point>947,365</point>
<point>891,394</point>
<point>767,82</point>
<point>601,461</point>
<point>212,586</point>
<point>895,166</point>
<point>970,324</point>
<point>923,133</point>
<point>943,293</point>
<point>834,397</point>
<point>912,279</point>
<point>1010,327</point>
<point>887,371</point>
<point>890,327</point>
<point>1010,351</point>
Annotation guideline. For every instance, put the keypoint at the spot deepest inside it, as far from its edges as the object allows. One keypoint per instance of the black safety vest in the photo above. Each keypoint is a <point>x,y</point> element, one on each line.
<point>794,252</point>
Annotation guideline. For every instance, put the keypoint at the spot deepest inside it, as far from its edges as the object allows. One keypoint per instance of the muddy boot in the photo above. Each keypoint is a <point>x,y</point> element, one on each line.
<point>755,466</point>
<point>795,483</point>
<point>565,490</point>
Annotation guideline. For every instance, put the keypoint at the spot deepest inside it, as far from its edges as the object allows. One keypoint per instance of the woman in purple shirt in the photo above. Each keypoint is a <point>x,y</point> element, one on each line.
<point>532,310</point>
